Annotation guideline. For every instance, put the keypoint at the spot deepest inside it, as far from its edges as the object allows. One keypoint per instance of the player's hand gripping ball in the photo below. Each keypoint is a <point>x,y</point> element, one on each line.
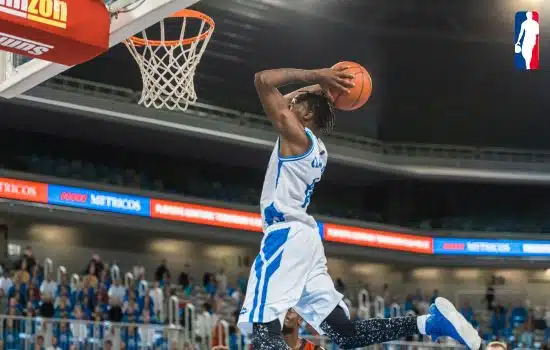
<point>359,94</point>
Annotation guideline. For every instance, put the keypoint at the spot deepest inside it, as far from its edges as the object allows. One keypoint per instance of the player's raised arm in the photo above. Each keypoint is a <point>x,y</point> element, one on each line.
<point>276,106</point>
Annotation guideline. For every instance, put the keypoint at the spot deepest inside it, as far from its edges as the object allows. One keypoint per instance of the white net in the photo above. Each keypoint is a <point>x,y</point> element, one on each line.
<point>168,66</point>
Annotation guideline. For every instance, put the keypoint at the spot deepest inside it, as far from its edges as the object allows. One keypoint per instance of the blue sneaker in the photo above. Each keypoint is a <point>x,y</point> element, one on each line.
<point>444,320</point>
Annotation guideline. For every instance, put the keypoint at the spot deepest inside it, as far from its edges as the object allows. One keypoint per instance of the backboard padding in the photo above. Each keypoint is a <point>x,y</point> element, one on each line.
<point>123,26</point>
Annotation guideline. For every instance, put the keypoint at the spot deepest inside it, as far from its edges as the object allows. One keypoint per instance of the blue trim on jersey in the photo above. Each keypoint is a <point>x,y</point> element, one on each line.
<point>272,215</point>
<point>270,271</point>
<point>258,265</point>
<point>274,240</point>
<point>271,244</point>
<point>298,157</point>
<point>279,166</point>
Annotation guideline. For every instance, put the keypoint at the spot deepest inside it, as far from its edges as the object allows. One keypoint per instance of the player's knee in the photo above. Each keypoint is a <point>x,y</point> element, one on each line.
<point>266,330</point>
<point>339,328</point>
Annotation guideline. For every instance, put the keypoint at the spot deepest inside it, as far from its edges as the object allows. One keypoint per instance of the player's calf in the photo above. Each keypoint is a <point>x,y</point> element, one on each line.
<point>267,336</point>
<point>358,334</point>
<point>443,320</point>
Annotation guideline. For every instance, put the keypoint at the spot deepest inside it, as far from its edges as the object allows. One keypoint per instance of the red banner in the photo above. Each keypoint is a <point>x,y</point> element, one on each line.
<point>378,239</point>
<point>205,215</point>
<point>62,31</point>
<point>23,190</point>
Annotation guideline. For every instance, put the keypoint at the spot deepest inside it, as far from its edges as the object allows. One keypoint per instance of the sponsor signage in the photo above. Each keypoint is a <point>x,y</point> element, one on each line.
<point>23,190</point>
<point>378,239</point>
<point>205,215</point>
<point>456,246</point>
<point>236,219</point>
<point>68,32</point>
<point>97,200</point>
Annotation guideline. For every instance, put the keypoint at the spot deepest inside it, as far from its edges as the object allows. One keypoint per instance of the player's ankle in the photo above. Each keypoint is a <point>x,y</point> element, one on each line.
<point>421,322</point>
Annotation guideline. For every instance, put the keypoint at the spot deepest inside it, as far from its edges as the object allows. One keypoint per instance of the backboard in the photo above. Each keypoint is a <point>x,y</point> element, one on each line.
<point>19,74</point>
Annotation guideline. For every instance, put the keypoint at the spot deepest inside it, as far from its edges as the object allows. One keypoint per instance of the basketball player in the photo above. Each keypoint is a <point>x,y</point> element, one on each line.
<point>291,327</point>
<point>290,270</point>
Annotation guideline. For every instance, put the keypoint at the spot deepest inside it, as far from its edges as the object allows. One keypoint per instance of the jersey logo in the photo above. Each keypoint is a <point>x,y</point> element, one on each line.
<point>309,191</point>
<point>316,163</point>
<point>272,215</point>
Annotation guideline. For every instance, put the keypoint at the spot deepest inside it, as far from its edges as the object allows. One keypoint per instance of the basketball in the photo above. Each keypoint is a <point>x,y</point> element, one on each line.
<point>359,94</point>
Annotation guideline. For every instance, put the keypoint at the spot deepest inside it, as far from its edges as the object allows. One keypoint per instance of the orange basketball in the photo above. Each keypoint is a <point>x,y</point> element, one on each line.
<point>359,94</point>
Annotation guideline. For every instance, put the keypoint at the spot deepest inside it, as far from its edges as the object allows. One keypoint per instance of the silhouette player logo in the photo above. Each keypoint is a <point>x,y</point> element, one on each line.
<point>526,46</point>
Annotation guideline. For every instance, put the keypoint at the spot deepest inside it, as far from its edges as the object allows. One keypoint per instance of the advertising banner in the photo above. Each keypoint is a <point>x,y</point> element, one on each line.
<point>205,215</point>
<point>457,246</point>
<point>23,190</point>
<point>378,239</point>
<point>98,200</point>
<point>243,220</point>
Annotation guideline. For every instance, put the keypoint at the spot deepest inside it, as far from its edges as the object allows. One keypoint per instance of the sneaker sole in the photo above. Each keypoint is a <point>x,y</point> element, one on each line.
<point>464,329</point>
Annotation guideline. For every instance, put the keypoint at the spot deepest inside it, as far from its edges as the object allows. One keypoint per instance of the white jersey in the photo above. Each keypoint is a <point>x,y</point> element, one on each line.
<point>289,184</point>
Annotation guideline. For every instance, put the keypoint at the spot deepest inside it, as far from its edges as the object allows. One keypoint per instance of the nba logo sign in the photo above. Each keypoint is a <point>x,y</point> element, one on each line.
<point>526,46</point>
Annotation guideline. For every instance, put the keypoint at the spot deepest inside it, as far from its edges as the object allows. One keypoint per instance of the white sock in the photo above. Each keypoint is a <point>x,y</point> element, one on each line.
<point>421,323</point>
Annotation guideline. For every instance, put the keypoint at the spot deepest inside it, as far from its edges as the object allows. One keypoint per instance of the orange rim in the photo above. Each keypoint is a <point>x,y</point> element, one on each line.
<point>185,13</point>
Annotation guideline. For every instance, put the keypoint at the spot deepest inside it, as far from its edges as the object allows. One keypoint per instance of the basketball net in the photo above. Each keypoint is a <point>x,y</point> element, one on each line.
<point>168,66</point>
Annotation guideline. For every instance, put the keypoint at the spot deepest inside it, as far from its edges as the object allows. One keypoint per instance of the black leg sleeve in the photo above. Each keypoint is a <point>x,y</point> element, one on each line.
<point>358,334</point>
<point>267,336</point>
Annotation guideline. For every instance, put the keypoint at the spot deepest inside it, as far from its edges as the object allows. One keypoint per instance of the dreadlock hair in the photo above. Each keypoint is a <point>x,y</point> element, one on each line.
<point>322,108</point>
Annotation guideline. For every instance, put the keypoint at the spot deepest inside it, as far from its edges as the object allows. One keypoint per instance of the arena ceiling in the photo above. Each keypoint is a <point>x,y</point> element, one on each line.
<point>443,70</point>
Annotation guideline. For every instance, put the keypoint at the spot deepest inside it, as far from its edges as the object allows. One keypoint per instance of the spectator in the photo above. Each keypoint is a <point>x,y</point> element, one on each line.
<point>434,296</point>
<point>62,307</point>
<point>386,292</point>
<point>47,308</point>
<point>221,282</point>
<point>409,304</point>
<point>184,277</point>
<point>98,265</point>
<point>161,271</point>
<point>527,338</point>
<point>467,311</point>
<point>29,311</point>
<point>34,297</point>
<point>92,276</point>
<point>11,335</point>
<point>146,331</point>
<point>340,286</point>
<point>105,279</point>
<point>23,274</point>
<point>117,290</point>
<point>6,282</point>
<point>18,290</point>
<point>49,285</point>
<point>210,286</point>
<point>28,260</point>
<point>490,294</point>
<point>131,310</point>
<point>132,339</point>
<point>242,282</point>
<point>36,276</point>
<point>39,342</point>
<point>54,345</point>
<point>115,309</point>
<point>79,330</point>
<point>498,321</point>
<point>146,303</point>
<point>157,296</point>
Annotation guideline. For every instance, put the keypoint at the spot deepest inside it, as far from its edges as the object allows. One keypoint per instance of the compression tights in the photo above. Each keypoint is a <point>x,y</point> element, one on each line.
<point>342,331</point>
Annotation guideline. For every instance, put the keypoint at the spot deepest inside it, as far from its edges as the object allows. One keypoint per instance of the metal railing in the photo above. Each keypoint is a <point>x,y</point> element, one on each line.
<point>24,333</point>
<point>226,115</point>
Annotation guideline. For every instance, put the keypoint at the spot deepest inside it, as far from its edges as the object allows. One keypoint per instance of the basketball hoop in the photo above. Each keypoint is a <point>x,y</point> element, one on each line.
<point>168,66</point>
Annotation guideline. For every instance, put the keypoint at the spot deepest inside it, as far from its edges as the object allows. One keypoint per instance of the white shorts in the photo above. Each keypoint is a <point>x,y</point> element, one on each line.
<point>289,272</point>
